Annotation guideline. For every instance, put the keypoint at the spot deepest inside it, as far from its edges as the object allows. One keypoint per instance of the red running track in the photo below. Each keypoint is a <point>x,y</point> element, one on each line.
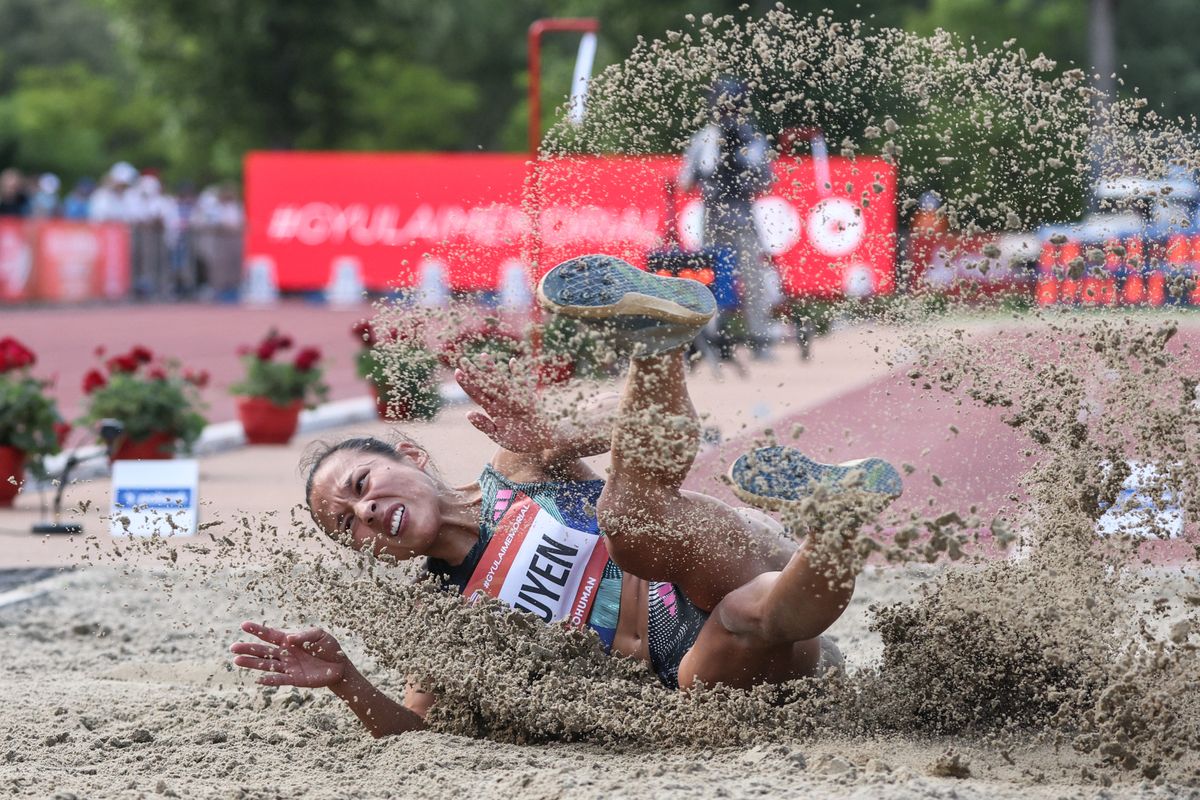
<point>202,337</point>
<point>979,466</point>
<point>891,419</point>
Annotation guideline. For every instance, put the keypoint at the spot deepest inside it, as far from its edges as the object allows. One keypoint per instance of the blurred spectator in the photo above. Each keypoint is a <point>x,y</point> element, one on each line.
<point>216,226</point>
<point>181,246</point>
<point>729,160</point>
<point>151,213</point>
<point>14,197</point>
<point>926,233</point>
<point>185,276</point>
<point>110,202</point>
<point>75,204</point>
<point>45,196</point>
<point>929,219</point>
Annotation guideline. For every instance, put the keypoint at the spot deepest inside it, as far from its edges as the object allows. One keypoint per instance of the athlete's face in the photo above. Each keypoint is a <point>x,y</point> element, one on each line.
<point>387,503</point>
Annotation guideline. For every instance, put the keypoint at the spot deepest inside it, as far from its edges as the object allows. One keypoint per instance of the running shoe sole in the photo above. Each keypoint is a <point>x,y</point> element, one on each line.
<point>601,287</point>
<point>770,477</point>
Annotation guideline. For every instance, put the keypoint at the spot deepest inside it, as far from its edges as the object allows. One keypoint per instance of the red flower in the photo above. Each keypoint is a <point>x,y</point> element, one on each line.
<point>61,431</point>
<point>141,354</point>
<point>14,355</point>
<point>266,350</point>
<point>363,331</point>
<point>156,374</point>
<point>125,363</point>
<point>283,342</point>
<point>307,358</point>
<point>197,379</point>
<point>93,381</point>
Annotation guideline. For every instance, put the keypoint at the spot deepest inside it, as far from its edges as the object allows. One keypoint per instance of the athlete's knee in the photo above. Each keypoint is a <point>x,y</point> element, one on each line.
<point>622,521</point>
<point>628,506</point>
<point>656,445</point>
<point>744,613</point>
<point>754,612</point>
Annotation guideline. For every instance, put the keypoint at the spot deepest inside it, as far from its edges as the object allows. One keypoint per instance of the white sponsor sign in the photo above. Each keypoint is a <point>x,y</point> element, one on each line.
<point>155,497</point>
<point>1143,507</point>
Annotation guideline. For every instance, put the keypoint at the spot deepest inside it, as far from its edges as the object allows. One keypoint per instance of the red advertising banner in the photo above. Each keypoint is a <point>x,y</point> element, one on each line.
<point>16,261</point>
<point>58,261</point>
<point>474,216</point>
<point>78,261</point>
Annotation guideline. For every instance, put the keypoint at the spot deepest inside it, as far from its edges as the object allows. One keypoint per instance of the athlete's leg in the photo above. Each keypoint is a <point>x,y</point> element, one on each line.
<point>768,629</point>
<point>655,530</point>
<point>770,601</point>
<point>658,531</point>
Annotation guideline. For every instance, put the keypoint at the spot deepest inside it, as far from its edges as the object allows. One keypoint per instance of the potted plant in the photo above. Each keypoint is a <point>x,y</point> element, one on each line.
<point>275,390</point>
<point>30,427</point>
<point>400,370</point>
<point>155,401</point>
<point>490,338</point>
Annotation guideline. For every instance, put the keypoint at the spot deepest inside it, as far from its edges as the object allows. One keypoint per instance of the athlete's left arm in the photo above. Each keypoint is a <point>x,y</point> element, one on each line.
<point>540,437</point>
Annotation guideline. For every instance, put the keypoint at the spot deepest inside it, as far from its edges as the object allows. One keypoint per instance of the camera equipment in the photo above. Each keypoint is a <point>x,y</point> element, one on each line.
<point>111,431</point>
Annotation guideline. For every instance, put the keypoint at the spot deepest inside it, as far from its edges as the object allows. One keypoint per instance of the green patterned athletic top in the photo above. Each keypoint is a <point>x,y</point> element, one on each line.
<point>572,503</point>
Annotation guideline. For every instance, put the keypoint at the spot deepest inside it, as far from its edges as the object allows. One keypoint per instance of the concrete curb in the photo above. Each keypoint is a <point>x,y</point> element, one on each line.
<point>220,437</point>
<point>31,591</point>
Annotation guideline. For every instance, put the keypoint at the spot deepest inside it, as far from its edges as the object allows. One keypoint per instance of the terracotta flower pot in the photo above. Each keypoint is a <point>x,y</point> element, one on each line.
<point>266,423</point>
<point>396,411</point>
<point>12,474</point>
<point>155,447</point>
<point>555,369</point>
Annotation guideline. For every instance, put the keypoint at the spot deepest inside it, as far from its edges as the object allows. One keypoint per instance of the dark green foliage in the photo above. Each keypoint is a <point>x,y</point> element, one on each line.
<point>147,406</point>
<point>281,382</point>
<point>27,415</point>
<point>189,87</point>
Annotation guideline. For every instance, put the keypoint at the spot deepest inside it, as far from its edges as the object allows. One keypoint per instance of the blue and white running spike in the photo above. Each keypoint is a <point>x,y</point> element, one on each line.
<point>769,477</point>
<point>649,313</point>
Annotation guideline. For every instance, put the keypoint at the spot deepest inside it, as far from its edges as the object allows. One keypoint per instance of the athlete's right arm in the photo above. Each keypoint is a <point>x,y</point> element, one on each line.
<point>312,659</point>
<point>381,715</point>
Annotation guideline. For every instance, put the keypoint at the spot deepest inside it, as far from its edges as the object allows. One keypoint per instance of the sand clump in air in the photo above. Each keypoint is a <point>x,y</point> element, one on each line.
<point>1070,664</point>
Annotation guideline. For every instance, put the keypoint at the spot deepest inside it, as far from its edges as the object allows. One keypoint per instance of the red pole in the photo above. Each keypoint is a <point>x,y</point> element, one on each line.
<point>539,27</point>
<point>576,25</point>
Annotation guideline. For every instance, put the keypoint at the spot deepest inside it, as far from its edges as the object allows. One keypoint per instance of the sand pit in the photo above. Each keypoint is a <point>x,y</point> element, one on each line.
<point>116,693</point>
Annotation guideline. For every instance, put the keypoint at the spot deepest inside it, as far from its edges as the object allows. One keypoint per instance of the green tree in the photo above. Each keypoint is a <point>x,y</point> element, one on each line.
<point>69,120</point>
<point>50,33</point>
<point>394,105</point>
<point>246,74</point>
<point>1157,44</point>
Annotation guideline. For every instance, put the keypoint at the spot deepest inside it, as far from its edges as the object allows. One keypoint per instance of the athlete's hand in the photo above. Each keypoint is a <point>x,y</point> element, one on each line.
<point>508,411</point>
<point>310,658</point>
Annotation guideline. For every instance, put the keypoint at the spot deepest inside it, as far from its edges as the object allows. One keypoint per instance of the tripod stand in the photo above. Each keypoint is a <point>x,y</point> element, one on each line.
<point>110,431</point>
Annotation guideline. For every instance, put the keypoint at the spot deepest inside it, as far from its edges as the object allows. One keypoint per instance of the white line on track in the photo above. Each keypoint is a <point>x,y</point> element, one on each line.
<point>30,591</point>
